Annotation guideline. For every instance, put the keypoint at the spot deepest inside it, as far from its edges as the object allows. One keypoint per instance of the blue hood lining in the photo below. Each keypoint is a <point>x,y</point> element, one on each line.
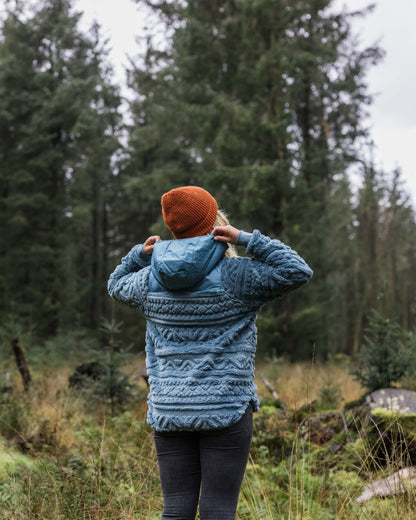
<point>181,264</point>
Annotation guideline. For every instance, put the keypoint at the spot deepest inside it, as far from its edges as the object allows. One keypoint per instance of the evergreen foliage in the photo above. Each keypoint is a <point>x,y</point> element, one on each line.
<point>58,110</point>
<point>262,102</point>
<point>102,381</point>
<point>385,357</point>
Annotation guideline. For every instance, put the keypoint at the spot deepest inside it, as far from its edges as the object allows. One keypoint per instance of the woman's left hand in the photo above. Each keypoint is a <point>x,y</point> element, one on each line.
<point>150,242</point>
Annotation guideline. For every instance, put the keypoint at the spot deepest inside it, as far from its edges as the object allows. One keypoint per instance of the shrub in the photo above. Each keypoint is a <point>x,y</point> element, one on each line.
<point>102,380</point>
<point>330,395</point>
<point>385,356</point>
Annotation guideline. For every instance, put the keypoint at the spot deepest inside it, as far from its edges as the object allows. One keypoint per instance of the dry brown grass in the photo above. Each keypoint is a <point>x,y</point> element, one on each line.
<point>300,383</point>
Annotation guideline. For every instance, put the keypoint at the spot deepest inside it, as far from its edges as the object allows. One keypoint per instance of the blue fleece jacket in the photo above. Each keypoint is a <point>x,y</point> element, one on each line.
<point>201,308</point>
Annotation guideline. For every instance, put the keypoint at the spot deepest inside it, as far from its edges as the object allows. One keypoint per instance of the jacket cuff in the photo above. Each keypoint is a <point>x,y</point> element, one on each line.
<point>243,238</point>
<point>142,256</point>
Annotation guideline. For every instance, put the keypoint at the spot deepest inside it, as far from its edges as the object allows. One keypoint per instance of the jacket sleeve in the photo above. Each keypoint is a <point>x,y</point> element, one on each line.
<point>127,283</point>
<point>274,270</point>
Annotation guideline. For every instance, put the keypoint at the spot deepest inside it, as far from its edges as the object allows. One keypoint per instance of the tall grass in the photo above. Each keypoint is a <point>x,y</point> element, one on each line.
<point>300,383</point>
<point>80,464</point>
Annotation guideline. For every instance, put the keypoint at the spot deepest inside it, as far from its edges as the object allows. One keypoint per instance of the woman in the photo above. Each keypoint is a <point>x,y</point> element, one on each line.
<point>200,301</point>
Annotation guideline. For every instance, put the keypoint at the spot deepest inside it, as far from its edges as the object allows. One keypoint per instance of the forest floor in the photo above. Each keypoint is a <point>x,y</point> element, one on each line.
<point>66,455</point>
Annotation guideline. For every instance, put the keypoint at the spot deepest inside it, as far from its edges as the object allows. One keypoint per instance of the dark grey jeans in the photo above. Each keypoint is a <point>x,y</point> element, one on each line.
<point>212,462</point>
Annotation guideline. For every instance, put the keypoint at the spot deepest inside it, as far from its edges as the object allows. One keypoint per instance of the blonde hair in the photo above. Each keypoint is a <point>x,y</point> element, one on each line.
<point>222,220</point>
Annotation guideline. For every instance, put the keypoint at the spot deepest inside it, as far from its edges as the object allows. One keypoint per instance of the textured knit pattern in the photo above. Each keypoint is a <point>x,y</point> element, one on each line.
<point>189,211</point>
<point>200,346</point>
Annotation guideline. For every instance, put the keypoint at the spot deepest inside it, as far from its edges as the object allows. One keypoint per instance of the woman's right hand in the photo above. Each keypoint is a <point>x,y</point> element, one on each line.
<point>150,242</point>
<point>226,234</point>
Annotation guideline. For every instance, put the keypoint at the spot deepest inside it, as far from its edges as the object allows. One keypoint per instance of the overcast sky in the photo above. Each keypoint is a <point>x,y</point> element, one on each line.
<point>392,24</point>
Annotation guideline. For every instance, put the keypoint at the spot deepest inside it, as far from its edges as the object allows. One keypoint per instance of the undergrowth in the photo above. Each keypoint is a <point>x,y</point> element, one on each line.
<point>61,460</point>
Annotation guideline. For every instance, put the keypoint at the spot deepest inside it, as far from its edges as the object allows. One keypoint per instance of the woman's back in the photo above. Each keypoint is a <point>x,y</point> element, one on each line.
<point>201,308</point>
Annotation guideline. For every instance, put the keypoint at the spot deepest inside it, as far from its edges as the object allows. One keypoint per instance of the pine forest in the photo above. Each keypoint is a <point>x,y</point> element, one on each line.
<point>264,103</point>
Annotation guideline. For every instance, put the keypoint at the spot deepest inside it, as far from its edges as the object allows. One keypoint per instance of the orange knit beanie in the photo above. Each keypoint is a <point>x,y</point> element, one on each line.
<point>189,211</point>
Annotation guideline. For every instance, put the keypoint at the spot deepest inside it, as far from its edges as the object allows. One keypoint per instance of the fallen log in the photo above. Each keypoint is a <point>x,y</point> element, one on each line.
<point>403,481</point>
<point>273,392</point>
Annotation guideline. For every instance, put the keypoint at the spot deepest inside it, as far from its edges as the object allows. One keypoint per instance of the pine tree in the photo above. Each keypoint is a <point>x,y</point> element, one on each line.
<point>385,357</point>
<point>59,112</point>
<point>397,242</point>
<point>262,102</point>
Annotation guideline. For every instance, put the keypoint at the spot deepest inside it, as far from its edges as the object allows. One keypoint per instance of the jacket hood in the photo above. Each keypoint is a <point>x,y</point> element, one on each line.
<point>181,264</point>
